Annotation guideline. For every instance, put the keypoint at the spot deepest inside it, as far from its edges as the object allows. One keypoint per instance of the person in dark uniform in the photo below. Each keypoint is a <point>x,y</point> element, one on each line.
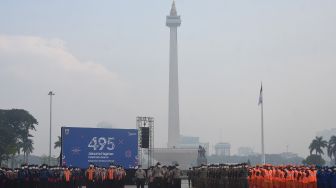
<point>22,177</point>
<point>76,176</point>
<point>2,177</point>
<point>35,176</point>
<point>150,177</point>
<point>119,176</point>
<point>43,176</point>
<point>30,177</point>
<point>189,177</point>
<point>51,177</point>
<point>58,172</point>
<point>165,173</point>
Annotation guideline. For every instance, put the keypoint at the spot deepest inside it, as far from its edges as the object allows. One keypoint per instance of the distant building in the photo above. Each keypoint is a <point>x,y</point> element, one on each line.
<point>245,151</point>
<point>222,149</point>
<point>288,155</point>
<point>192,142</point>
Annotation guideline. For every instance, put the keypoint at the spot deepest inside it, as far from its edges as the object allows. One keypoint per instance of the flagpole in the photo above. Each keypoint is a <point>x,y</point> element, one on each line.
<point>262,134</point>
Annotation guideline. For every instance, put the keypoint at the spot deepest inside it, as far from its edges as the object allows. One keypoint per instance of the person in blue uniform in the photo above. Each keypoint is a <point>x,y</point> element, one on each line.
<point>23,177</point>
<point>44,176</point>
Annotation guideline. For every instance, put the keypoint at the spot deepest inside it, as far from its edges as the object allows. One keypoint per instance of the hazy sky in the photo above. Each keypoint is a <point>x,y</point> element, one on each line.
<point>108,61</point>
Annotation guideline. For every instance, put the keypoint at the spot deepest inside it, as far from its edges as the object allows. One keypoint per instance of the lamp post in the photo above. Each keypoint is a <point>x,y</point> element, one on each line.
<point>50,94</point>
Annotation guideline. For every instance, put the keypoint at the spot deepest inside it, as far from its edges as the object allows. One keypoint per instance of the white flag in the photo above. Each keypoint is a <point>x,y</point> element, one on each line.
<point>260,96</point>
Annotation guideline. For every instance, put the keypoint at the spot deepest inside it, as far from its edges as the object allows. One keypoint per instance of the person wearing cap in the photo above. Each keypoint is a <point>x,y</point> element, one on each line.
<point>51,176</point>
<point>90,174</point>
<point>11,176</point>
<point>117,177</point>
<point>150,177</point>
<point>189,177</point>
<point>104,177</point>
<point>168,177</point>
<point>22,176</point>
<point>140,177</point>
<point>122,177</point>
<point>3,177</point>
<point>98,177</point>
<point>157,174</point>
<point>43,176</point>
<point>77,177</point>
<point>176,176</point>
<point>165,173</point>
<point>110,176</point>
<point>67,179</point>
<point>201,176</point>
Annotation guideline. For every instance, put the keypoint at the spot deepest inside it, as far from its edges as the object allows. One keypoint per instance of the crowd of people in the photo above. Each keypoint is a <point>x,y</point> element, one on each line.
<point>263,176</point>
<point>326,177</point>
<point>289,176</point>
<point>159,176</point>
<point>221,175</point>
<point>33,176</point>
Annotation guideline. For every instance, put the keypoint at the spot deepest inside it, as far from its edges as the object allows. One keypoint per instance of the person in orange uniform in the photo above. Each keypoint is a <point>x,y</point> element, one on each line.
<point>290,178</point>
<point>67,177</point>
<point>269,176</point>
<point>259,178</point>
<point>312,178</point>
<point>250,178</point>
<point>110,176</point>
<point>90,174</point>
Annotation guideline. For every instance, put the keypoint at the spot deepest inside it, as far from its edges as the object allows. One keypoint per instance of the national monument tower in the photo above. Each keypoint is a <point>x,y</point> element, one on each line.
<point>173,21</point>
<point>175,151</point>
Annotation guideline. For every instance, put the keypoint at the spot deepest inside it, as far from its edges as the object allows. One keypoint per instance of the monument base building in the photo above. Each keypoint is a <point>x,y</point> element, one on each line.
<point>185,157</point>
<point>185,153</point>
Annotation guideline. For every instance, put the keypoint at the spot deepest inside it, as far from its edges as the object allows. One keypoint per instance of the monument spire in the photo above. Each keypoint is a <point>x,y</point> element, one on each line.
<point>173,11</point>
<point>173,21</point>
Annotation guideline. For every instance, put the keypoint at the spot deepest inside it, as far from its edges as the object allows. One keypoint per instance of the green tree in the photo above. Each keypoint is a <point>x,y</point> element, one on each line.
<point>15,125</point>
<point>27,148</point>
<point>332,148</point>
<point>314,159</point>
<point>7,140</point>
<point>318,144</point>
<point>44,159</point>
<point>58,143</point>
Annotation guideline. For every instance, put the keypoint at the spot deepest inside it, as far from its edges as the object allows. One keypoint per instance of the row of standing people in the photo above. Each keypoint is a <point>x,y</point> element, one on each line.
<point>159,176</point>
<point>326,177</point>
<point>33,176</point>
<point>290,176</point>
<point>221,175</point>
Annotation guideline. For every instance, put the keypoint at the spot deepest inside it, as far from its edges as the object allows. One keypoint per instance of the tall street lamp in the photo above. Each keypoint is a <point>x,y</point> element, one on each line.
<point>50,94</point>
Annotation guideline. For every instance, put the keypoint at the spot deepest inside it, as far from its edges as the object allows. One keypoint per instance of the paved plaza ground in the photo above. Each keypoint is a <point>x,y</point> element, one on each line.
<point>184,185</point>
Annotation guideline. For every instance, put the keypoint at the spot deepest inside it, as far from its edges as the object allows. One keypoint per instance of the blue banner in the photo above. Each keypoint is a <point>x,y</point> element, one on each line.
<point>82,146</point>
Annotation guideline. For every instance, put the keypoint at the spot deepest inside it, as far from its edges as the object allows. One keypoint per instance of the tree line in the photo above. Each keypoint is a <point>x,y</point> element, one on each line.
<point>316,148</point>
<point>16,126</point>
